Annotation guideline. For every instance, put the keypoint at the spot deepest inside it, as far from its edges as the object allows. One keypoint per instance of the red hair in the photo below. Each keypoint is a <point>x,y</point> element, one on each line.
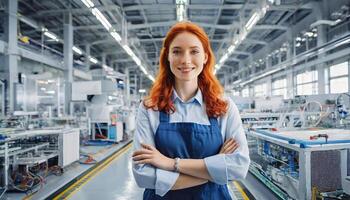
<point>162,89</point>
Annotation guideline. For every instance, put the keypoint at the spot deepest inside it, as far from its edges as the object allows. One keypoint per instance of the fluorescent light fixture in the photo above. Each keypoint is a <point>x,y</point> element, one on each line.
<point>77,50</point>
<point>142,91</point>
<point>128,50</point>
<point>43,89</point>
<point>51,35</point>
<point>143,69</point>
<point>93,60</point>
<point>50,92</point>
<point>181,10</point>
<point>107,25</point>
<point>223,59</point>
<point>150,77</point>
<point>100,17</point>
<point>231,49</point>
<point>252,21</point>
<point>136,59</point>
<point>116,36</point>
<point>88,3</point>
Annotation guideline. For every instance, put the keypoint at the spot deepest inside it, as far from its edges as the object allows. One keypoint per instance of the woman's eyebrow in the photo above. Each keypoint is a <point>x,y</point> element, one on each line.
<point>192,47</point>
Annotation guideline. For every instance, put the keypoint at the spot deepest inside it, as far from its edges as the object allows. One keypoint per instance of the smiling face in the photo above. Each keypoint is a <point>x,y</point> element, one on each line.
<point>186,57</point>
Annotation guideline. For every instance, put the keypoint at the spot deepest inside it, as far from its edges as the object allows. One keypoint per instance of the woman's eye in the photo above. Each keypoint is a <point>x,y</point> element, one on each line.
<point>176,52</point>
<point>195,52</point>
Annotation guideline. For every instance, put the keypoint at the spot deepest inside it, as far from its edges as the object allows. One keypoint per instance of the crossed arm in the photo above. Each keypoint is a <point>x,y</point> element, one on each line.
<point>193,172</point>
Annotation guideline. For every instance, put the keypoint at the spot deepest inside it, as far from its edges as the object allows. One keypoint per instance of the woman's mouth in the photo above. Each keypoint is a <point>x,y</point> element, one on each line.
<point>186,69</point>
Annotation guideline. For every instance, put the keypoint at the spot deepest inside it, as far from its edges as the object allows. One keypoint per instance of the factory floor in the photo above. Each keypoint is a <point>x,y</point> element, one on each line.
<point>115,181</point>
<point>54,185</point>
<point>110,178</point>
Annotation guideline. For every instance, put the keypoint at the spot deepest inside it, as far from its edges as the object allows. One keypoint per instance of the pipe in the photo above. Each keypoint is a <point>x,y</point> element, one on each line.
<point>325,22</point>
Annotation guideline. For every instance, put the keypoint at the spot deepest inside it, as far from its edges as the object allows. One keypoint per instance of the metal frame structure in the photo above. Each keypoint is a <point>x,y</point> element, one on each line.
<point>305,190</point>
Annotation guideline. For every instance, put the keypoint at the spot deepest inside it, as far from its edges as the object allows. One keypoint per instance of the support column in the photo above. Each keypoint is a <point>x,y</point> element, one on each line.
<point>68,61</point>
<point>291,91</point>
<point>11,64</point>
<point>269,86</point>
<point>87,56</point>
<point>127,84</point>
<point>321,39</point>
<point>103,61</point>
<point>135,84</point>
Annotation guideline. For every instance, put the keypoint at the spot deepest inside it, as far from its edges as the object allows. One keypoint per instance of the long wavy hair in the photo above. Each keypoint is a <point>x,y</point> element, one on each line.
<point>160,97</point>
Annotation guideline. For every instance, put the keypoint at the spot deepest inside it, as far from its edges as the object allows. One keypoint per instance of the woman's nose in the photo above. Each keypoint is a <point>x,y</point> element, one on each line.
<point>186,59</point>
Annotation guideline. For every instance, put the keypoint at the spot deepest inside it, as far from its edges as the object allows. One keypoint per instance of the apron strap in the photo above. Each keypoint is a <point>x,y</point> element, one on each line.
<point>213,123</point>
<point>163,117</point>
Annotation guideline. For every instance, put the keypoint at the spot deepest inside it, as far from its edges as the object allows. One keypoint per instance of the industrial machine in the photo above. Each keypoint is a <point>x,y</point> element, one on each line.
<point>28,156</point>
<point>301,150</point>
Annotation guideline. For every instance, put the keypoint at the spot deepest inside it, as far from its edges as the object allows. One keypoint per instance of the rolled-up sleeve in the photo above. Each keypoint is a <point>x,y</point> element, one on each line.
<point>226,167</point>
<point>147,176</point>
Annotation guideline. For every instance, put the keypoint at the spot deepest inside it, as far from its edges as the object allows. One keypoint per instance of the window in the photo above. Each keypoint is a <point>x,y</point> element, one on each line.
<point>279,88</point>
<point>338,78</point>
<point>260,90</point>
<point>235,93</point>
<point>307,83</point>
<point>245,92</point>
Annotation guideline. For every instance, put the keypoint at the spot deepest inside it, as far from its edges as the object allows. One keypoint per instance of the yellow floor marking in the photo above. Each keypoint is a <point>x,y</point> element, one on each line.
<point>244,195</point>
<point>86,178</point>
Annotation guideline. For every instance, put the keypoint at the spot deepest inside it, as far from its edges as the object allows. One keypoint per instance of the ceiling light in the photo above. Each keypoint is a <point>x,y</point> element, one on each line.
<point>142,91</point>
<point>77,50</point>
<point>116,36</point>
<point>128,50</point>
<point>143,69</point>
<point>51,35</point>
<point>100,17</point>
<point>251,22</point>
<point>181,10</point>
<point>93,60</point>
<point>150,77</point>
<point>88,3</point>
<point>223,59</point>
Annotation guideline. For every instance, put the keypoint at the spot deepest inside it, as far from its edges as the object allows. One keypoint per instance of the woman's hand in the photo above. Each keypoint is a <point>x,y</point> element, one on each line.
<point>150,155</point>
<point>229,146</point>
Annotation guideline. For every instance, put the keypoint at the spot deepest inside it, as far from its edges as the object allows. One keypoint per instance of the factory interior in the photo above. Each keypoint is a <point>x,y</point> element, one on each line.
<point>73,74</point>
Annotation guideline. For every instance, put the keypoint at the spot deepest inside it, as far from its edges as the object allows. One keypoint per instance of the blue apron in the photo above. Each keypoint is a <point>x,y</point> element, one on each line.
<point>189,140</point>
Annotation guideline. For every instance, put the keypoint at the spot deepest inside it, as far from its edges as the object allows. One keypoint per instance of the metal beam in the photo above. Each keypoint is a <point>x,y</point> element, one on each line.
<point>266,26</point>
<point>253,41</point>
<point>74,11</point>
<point>207,7</point>
<point>242,53</point>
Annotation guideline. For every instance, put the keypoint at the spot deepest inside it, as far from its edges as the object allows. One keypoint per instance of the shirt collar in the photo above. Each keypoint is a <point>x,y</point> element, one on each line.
<point>197,98</point>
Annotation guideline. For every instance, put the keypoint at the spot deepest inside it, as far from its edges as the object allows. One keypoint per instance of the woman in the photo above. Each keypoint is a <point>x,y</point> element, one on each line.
<point>189,141</point>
